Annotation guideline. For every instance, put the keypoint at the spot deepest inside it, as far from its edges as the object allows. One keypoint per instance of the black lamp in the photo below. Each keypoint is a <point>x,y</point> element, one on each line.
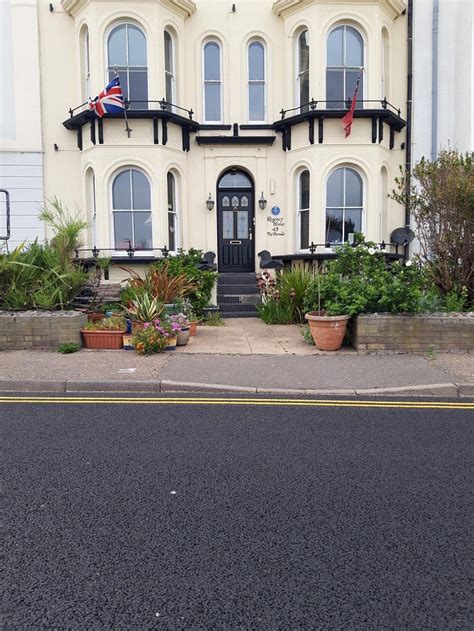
<point>262,202</point>
<point>210,203</point>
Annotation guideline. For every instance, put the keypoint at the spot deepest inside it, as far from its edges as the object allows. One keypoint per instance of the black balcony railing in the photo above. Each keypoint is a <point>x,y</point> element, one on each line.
<point>313,105</point>
<point>164,105</point>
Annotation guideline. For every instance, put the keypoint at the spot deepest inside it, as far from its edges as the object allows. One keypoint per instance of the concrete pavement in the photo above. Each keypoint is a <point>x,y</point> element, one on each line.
<point>244,355</point>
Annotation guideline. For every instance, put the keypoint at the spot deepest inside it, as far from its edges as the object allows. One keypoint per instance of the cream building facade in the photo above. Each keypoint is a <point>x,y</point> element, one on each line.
<point>236,175</point>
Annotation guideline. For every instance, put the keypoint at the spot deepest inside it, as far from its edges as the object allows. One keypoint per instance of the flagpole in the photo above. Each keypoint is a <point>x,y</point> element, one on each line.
<point>127,127</point>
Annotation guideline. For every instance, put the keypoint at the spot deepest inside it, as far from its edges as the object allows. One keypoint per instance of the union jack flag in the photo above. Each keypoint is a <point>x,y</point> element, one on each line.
<point>109,101</point>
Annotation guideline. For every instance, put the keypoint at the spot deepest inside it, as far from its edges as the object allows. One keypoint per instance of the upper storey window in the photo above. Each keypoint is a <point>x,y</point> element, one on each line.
<point>127,55</point>
<point>212,82</point>
<point>345,62</point>
<point>256,87</point>
<point>85,64</point>
<point>302,70</point>
<point>170,76</point>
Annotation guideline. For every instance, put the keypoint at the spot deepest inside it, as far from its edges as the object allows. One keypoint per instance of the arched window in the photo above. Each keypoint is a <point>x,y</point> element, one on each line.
<point>303,193</point>
<point>131,206</point>
<point>345,63</point>
<point>302,70</point>
<point>173,231</point>
<point>256,87</point>
<point>127,55</point>
<point>85,64</point>
<point>344,204</point>
<point>212,82</point>
<point>91,212</point>
<point>170,77</point>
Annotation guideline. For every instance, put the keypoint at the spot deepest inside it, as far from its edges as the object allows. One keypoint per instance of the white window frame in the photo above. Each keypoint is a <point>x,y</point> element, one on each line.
<point>362,86</point>
<point>298,73</point>
<point>121,252</point>
<point>177,240</point>
<point>299,210</point>
<point>250,82</point>
<point>86,64</point>
<point>344,207</point>
<point>109,67</point>
<point>212,82</point>
<point>170,73</point>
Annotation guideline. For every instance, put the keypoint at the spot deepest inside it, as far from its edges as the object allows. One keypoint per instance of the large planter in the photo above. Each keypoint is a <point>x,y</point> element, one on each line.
<point>183,337</point>
<point>103,340</point>
<point>327,331</point>
<point>193,328</point>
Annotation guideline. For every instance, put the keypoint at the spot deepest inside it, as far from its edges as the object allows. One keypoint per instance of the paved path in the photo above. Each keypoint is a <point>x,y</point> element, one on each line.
<point>183,517</point>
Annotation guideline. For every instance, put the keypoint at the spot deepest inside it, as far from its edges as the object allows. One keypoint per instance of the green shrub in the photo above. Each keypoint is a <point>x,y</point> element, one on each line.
<point>456,300</point>
<point>68,347</point>
<point>360,280</point>
<point>214,319</point>
<point>273,311</point>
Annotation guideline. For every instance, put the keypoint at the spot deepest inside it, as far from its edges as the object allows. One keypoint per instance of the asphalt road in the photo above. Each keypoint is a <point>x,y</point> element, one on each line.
<point>187,516</point>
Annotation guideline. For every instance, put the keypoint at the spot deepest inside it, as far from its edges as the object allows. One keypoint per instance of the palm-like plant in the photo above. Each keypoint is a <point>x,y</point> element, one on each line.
<point>159,284</point>
<point>144,308</point>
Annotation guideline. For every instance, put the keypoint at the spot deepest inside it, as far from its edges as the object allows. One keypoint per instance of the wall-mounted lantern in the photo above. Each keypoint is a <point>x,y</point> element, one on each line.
<point>262,202</point>
<point>210,203</point>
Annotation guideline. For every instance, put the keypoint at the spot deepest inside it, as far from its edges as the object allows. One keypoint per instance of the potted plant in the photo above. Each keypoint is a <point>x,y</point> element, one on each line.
<point>149,340</point>
<point>143,308</point>
<point>328,326</point>
<point>105,334</point>
<point>160,284</point>
<point>168,329</point>
<point>186,308</point>
<point>184,324</point>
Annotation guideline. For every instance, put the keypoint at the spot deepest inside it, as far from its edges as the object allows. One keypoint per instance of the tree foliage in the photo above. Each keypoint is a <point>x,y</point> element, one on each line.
<point>440,197</point>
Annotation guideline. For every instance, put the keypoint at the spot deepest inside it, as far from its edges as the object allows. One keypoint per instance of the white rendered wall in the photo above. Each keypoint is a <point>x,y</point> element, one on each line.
<point>21,159</point>
<point>455,120</point>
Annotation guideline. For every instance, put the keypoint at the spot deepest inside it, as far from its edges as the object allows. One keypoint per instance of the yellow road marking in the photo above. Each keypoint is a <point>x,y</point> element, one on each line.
<point>438,405</point>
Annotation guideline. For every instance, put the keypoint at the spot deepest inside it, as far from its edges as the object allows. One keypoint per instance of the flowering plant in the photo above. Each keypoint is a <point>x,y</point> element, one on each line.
<point>148,340</point>
<point>165,326</point>
<point>181,320</point>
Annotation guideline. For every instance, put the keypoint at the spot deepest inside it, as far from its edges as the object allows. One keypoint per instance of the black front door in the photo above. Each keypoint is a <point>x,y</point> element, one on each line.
<point>235,216</point>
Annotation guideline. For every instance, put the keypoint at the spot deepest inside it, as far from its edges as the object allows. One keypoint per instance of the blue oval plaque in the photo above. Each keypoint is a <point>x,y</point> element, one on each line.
<point>275,210</point>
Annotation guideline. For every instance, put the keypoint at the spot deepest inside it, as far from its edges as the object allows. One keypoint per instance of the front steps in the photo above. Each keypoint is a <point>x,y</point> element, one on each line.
<point>238,295</point>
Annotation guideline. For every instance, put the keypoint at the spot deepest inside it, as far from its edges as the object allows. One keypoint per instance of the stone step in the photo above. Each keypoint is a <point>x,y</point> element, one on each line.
<point>236,290</point>
<point>238,308</point>
<point>249,299</point>
<point>235,278</point>
<point>239,314</point>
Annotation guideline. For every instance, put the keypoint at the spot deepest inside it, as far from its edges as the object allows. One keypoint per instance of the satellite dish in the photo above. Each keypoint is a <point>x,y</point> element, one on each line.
<point>402,236</point>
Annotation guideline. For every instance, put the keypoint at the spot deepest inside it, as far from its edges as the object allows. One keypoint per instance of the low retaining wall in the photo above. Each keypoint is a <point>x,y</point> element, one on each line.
<point>40,329</point>
<point>414,333</point>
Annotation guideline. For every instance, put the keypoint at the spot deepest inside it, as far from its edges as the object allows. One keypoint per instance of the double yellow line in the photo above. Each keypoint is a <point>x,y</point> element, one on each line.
<point>193,400</point>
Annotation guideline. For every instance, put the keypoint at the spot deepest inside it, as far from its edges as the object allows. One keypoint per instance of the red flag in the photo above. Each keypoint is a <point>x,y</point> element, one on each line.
<point>349,117</point>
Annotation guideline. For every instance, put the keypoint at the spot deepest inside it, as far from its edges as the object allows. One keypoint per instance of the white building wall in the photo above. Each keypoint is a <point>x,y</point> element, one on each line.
<point>455,119</point>
<point>21,161</point>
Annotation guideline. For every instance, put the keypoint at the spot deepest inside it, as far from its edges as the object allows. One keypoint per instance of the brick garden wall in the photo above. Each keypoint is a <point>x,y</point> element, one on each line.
<point>40,329</point>
<point>414,333</point>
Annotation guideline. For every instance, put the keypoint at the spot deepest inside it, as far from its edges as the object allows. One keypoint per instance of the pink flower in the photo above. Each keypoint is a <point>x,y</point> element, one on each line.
<point>146,325</point>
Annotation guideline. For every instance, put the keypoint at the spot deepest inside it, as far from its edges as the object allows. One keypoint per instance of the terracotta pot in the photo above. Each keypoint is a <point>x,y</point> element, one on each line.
<point>171,343</point>
<point>327,331</point>
<point>193,328</point>
<point>110,340</point>
<point>94,316</point>
<point>183,337</point>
